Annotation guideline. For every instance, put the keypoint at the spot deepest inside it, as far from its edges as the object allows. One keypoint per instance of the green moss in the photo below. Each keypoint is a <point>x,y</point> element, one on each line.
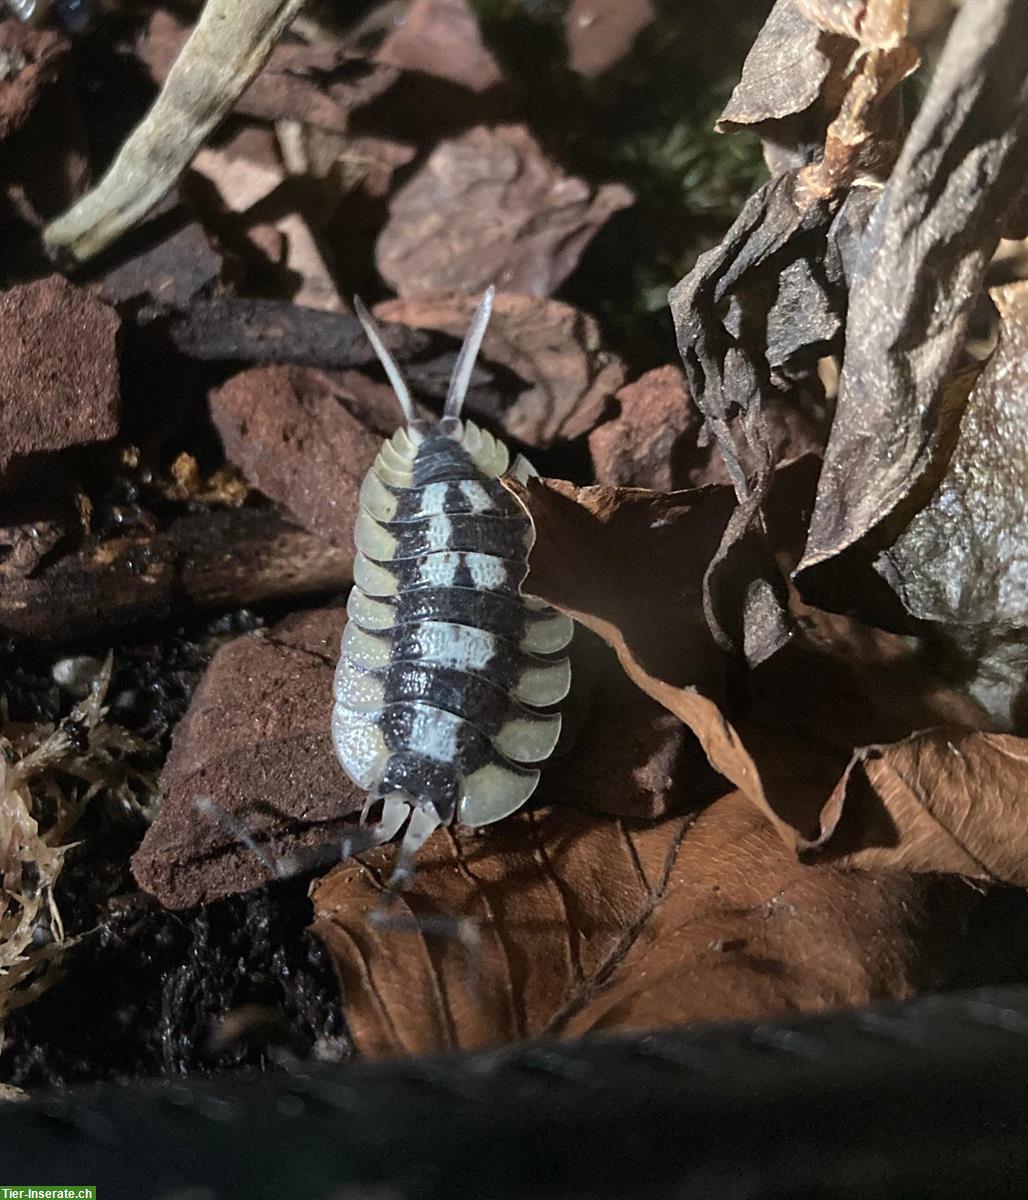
<point>649,122</point>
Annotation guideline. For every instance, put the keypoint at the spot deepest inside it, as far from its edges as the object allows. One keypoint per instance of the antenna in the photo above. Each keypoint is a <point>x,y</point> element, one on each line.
<point>466,359</point>
<point>374,336</point>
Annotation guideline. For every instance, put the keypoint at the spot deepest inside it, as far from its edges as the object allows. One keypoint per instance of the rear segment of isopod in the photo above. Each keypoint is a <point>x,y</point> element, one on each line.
<point>448,675</point>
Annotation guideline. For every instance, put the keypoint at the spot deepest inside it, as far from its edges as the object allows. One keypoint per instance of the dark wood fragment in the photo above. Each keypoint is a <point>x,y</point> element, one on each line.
<point>276,331</point>
<point>216,558</point>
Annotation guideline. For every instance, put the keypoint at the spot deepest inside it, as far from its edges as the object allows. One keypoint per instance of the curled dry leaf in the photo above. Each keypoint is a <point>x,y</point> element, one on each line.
<point>761,309</point>
<point>256,742</point>
<point>560,924</point>
<point>963,560</point>
<point>777,256</point>
<point>564,380</point>
<point>628,564</point>
<point>919,268</point>
<point>940,800</point>
<point>792,80</point>
<point>489,208</point>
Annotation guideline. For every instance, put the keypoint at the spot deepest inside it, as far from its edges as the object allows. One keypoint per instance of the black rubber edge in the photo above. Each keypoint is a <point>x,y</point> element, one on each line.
<point>923,1099</point>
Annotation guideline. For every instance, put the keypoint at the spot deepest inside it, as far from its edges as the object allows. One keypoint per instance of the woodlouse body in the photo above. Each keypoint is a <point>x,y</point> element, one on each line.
<point>445,663</point>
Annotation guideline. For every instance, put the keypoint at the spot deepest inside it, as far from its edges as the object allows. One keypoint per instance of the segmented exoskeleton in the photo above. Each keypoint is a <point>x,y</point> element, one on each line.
<point>445,664</point>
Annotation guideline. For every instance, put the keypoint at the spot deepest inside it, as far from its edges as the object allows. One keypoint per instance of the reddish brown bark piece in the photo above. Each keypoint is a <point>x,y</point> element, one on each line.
<point>601,32</point>
<point>30,62</point>
<point>585,925</point>
<point>306,439</point>
<point>489,207</point>
<point>637,448</point>
<point>567,379</point>
<point>252,181</point>
<point>59,384</point>
<point>315,84</point>
<point>441,38</point>
<point>182,266</point>
<point>659,439</point>
<point>256,742</point>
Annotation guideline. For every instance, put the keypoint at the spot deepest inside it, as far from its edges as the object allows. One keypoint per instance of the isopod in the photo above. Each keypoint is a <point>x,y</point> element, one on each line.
<point>448,673</point>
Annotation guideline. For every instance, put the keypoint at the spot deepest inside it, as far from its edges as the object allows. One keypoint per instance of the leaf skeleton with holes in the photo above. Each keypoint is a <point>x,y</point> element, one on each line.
<point>445,664</point>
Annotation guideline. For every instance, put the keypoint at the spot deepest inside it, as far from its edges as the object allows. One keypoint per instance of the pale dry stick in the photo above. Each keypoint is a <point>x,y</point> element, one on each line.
<point>224,53</point>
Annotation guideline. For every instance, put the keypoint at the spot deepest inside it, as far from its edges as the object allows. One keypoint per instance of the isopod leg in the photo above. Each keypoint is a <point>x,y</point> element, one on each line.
<point>423,823</point>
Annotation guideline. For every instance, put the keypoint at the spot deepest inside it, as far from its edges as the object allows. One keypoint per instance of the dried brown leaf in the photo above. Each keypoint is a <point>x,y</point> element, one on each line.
<point>784,70</point>
<point>918,270</point>
<point>817,71</point>
<point>575,924</point>
<point>777,258</point>
<point>564,379</point>
<point>628,564</point>
<point>780,93</point>
<point>940,800</point>
<point>963,560</point>
<point>489,208</point>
